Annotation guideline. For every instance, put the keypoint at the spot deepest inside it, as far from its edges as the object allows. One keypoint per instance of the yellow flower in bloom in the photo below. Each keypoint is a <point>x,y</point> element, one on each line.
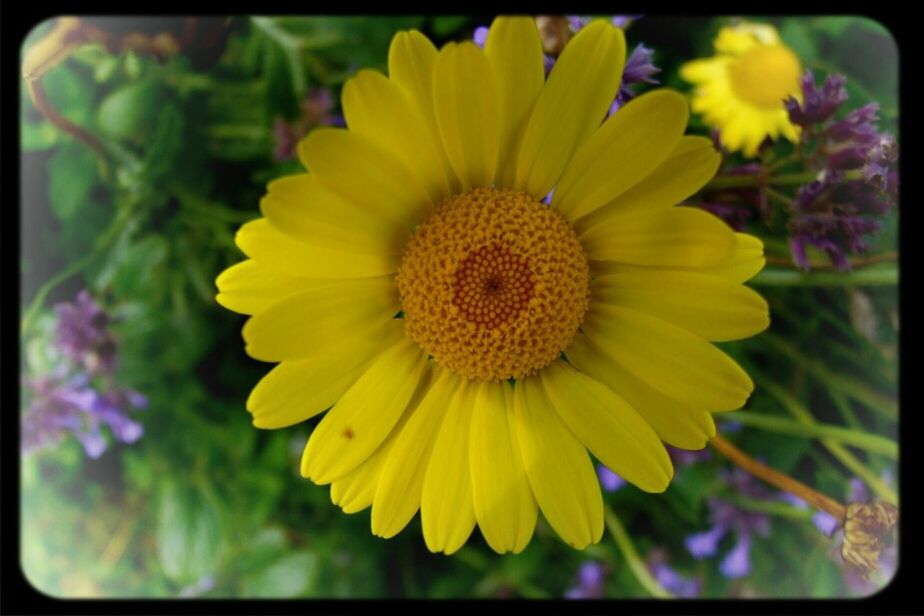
<point>740,91</point>
<point>414,272</point>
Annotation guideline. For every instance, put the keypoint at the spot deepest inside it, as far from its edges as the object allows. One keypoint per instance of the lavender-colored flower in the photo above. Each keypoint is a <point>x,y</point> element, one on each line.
<point>639,68</point>
<point>737,563</point>
<point>818,104</point>
<point>685,457</point>
<point>669,578</point>
<point>480,36</point>
<point>591,576</point>
<point>316,111</point>
<point>82,335</point>
<point>610,481</point>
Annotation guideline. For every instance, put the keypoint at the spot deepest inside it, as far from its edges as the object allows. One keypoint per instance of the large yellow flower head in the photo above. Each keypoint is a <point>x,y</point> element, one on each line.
<point>471,341</point>
<point>740,91</point>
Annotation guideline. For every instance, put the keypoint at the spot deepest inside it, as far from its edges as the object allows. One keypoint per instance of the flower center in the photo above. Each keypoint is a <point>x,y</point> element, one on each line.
<point>494,284</point>
<point>766,75</point>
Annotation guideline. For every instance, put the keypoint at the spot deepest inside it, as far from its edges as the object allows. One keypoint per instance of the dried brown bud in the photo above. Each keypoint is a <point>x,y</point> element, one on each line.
<point>554,31</point>
<point>867,530</point>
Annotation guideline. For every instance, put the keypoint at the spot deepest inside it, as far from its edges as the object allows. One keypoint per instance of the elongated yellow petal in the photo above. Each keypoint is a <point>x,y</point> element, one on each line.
<point>514,49</point>
<point>467,113</point>
<point>248,287</point>
<point>673,236</point>
<point>560,472</point>
<point>446,511</point>
<point>321,318</point>
<point>362,172</point>
<point>411,58</point>
<point>608,426</point>
<point>675,423</point>
<point>709,306</point>
<point>692,163</point>
<point>622,152</point>
<point>299,389</point>
<point>668,358</point>
<point>397,497</point>
<point>271,248</point>
<point>303,208</point>
<point>381,110</point>
<point>570,107</point>
<point>504,503</point>
<point>364,416</point>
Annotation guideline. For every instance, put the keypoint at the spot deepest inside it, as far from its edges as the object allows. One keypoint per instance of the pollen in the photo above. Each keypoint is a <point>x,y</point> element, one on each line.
<point>493,285</point>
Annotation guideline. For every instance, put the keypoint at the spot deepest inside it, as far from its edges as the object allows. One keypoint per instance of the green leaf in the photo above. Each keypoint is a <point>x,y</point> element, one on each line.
<point>444,25</point>
<point>291,575</point>
<point>130,112</point>
<point>190,537</point>
<point>795,33</point>
<point>72,175</point>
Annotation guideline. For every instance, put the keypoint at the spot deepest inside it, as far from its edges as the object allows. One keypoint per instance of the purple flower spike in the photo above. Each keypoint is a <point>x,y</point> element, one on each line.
<point>705,544</point>
<point>817,104</point>
<point>825,522</point>
<point>737,563</point>
<point>480,36</point>
<point>609,480</point>
<point>639,68</point>
<point>668,577</point>
<point>590,582</point>
<point>82,335</point>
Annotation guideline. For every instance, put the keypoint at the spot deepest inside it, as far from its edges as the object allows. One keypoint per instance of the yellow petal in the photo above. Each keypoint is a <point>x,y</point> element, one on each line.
<point>576,97</point>
<point>709,306</point>
<point>668,358</point>
<point>299,389</point>
<point>467,112</point>
<point>303,208</point>
<point>356,168</point>
<point>622,152</point>
<point>692,163</point>
<point>248,287</point>
<point>321,318</point>
<point>675,423</point>
<point>504,503</point>
<point>514,49</point>
<point>705,70</point>
<point>608,426</point>
<point>673,236</point>
<point>397,496</point>
<point>560,472</point>
<point>365,415</point>
<point>411,58</point>
<point>446,511</point>
<point>381,110</point>
<point>273,249</point>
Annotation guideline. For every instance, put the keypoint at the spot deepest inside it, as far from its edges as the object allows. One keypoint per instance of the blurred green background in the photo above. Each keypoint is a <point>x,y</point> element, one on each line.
<point>204,504</point>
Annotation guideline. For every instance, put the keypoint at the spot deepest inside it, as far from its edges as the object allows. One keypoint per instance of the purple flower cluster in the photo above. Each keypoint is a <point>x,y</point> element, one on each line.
<point>669,578</point>
<point>78,396</point>
<point>589,585</point>
<point>316,111</point>
<point>835,213</point>
<point>727,518</point>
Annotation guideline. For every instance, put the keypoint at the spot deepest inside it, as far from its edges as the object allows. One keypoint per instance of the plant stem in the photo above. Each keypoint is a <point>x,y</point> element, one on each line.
<point>786,261</point>
<point>870,277</point>
<point>870,442</point>
<point>785,179</point>
<point>772,507</point>
<point>635,562</point>
<point>778,479</point>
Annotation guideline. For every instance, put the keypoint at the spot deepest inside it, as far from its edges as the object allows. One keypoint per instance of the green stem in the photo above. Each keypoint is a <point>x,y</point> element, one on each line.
<point>875,400</point>
<point>873,443</point>
<point>777,508</point>
<point>805,416</point>
<point>869,277</point>
<point>635,562</point>
<point>785,179</point>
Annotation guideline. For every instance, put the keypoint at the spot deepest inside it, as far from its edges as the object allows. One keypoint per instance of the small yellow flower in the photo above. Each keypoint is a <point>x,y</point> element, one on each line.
<point>415,271</point>
<point>740,91</point>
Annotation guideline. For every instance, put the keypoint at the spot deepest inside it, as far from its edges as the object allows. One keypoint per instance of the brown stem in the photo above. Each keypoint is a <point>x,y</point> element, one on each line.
<point>37,92</point>
<point>778,479</point>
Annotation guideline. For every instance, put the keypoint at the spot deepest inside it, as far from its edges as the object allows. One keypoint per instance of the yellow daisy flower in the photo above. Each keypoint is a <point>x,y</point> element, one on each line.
<point>414,272</point>
<point>740,91</point>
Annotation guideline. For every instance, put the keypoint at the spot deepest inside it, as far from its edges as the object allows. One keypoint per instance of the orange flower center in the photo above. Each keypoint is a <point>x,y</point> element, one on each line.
<point>766,75</point>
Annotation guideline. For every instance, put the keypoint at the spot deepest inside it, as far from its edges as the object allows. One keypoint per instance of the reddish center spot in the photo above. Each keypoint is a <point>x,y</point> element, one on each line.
<point>348,433</point>
<point>492,286</point>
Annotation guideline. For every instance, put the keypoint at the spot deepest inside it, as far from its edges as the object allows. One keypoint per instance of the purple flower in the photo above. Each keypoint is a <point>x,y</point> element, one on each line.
<point>685,457</point>
<point>316,111</point>
<point>817,104</point>
<point>669,578</point>
<point>82,334</point>
<point>705,544</point>
<point>737,563</point>
<point>480,35</point>
<point>590,582</point>
<point>609,480</point>
<point>639,68</point>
